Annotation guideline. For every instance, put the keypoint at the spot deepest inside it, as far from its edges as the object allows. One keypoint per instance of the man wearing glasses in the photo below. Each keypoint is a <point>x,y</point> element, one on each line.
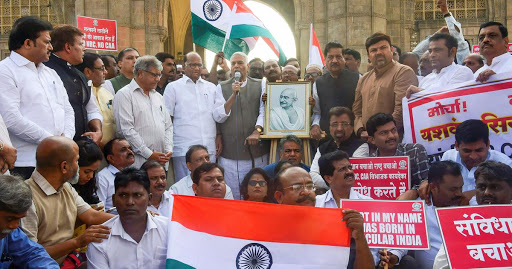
<point>337,88</point>
<point>140,114</point>
<point>313,72</point>
<point>196,106</point>
<point>294,186</point>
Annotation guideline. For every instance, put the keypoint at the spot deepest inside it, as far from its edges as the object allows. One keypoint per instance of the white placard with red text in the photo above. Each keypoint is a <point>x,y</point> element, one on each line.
<point>477,236</point>
<point>432,116</point>
<point>476,48</point>
<point>382,178</point>
<point>99,34</point>
<point>392,224</point>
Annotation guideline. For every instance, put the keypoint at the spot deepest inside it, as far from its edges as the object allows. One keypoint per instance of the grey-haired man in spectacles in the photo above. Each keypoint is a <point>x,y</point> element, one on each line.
<point>294,186</point>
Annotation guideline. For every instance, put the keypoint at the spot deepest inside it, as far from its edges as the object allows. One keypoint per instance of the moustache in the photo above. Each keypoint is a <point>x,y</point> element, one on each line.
<point>349,175</point>
<point>305,198</point>
<point>389,140</point>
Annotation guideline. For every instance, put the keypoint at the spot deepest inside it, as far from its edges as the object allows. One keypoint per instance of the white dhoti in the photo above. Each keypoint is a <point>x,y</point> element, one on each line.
<point>279,119</point>
<point>235,171</point>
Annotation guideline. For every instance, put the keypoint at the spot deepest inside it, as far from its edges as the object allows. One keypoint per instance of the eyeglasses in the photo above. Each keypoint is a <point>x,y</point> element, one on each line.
<point>302,187</point>
<point>194,65</point>
<point>155,75</point>
<point>309,75</point>
<point>255,182</point>
<point>102,69</point>
<point>343,124</point>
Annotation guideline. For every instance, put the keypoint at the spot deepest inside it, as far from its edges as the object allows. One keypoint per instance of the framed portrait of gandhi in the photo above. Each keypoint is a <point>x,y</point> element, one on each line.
<point>287,109</point>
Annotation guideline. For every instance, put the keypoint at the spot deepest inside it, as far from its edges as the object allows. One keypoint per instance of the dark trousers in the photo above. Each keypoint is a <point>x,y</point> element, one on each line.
<point>24,172</point>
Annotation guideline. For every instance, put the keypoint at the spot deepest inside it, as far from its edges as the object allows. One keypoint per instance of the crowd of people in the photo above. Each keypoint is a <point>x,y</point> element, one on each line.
<point>89,139</point>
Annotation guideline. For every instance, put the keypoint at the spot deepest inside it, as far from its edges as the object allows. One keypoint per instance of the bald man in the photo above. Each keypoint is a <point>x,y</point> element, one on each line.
<point>50,221</point>
<point>287,116</point>
<point>196,106</point>
<point>290,74</point>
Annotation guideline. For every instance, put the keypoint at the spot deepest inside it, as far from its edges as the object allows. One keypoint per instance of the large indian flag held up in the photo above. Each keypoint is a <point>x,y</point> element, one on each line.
<point>217,233</point>
<point>212,19</point>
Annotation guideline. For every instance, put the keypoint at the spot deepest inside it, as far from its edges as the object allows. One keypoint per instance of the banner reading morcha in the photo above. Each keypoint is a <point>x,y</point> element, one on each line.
<point>99,34</point>
<point>383,178</point>
<point>477,236</point>
<point>431,117</point>
<point>396,224</point>
<point>212,19</point>
<point>218,233</point>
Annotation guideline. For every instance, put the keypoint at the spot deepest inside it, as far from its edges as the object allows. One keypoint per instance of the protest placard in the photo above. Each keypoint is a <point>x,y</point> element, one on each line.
<point>477,236</point>
<point>382,178</point>
<point>432,116</point>
<point>99,34</point>
<point>476,48</point>
<point>396,224</point>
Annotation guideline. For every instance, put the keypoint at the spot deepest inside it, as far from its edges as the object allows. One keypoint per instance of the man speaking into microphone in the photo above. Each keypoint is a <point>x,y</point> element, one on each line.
<point>242,148</point>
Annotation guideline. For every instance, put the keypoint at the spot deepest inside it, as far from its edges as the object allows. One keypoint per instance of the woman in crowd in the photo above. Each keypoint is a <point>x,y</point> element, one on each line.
<point>89,162</point>
<point>256,186</point>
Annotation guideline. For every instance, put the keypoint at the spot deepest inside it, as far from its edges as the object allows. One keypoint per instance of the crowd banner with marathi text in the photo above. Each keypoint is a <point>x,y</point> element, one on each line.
<point>99,34</point>
<point>218,233</point>
<point>431,117</point>
<point>396,224</point>
<point>477,236</point>
<point>383,178</point>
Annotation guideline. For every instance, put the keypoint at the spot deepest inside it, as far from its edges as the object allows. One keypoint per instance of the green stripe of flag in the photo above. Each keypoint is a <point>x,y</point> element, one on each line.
<point>208,36</point>
<point>246,30</point>
<point>174,264</point>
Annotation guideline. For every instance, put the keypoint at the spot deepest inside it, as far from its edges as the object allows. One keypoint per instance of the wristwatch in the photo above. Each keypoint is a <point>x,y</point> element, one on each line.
<point>259,129</point>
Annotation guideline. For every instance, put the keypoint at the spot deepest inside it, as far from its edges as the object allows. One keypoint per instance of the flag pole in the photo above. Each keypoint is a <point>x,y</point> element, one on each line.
<point>228,32</point>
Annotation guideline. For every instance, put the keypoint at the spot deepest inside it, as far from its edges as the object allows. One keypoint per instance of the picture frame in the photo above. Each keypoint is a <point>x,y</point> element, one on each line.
<point>292,116</point>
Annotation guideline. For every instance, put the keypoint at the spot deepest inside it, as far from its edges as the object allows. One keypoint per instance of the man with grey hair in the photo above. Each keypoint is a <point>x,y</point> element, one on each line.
<point>290,74</point>
<point>313,71</point>
<point>287,116</point>
<point>242,149</point>
<point>196,106</point>
<point>291,150</point>
<point>15,200</point>
<point>140,114</point>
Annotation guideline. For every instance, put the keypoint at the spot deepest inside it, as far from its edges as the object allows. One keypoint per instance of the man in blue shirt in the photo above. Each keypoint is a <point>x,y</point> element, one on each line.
<point>15,247</point>
<point>290,149</point>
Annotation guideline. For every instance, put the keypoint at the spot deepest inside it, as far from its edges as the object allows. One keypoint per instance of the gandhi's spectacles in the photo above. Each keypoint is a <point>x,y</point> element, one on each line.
<point>301,187</point>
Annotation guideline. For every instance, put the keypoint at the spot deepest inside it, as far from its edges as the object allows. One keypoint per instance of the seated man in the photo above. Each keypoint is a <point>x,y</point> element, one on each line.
<point>290,149</point>
<point>445,182</point>
<point>56,207</point>
<point>209,181</point>
<point>15,200</point>
<point>119,155</point>
<point>472,147</point>
<point>493,187</point>
<point>294,186</point>
<point>137,239</point>
<point>341,128</point>
<point>383,134</point>
<point>195,157</point>
<point>160,200</point>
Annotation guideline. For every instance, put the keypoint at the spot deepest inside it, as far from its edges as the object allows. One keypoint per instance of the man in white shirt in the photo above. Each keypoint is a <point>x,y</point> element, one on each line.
<point>209,181</point>
<point>445,183</point>
<point>160,200</point>
<point>137,239</point>
<point>442,48</point>
<point>8,153</point>
<point>140,114</point>
<point>493,38</point>
<point>196,106</point>
<point>35,104</point>
<point>195,157</point>
<point>119,155</point>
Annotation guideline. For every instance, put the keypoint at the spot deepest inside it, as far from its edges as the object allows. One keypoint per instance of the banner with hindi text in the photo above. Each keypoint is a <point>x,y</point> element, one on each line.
<point>99,34</point>
<point>477,236</point>
<point>396,224</point>
<point>431,117</point>
<point>382,178</point>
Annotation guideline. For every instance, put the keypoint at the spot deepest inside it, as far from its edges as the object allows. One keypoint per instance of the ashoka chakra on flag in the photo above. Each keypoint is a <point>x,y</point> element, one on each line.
<point>254,256</point>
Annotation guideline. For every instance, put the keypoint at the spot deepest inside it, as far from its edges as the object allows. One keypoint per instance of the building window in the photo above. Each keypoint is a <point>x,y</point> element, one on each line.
<point>11,10</point>
<point>426,10</point>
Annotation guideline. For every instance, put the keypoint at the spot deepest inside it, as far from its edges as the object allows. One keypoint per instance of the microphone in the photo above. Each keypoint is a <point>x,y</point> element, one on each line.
<point>237,79</point>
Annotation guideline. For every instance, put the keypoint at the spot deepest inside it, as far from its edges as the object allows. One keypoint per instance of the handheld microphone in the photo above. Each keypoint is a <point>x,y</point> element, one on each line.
<point>237,79</point>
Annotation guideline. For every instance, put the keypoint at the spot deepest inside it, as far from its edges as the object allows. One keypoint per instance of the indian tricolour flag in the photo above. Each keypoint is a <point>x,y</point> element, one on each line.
<point>212,19</point>
<point>217,233</point>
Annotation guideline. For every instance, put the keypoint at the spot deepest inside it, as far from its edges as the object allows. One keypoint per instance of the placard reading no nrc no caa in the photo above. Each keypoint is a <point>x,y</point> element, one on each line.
<point>99,34</point>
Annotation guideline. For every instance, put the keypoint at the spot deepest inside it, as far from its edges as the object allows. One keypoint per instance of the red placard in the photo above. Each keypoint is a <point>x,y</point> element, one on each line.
<point>476,48</point>
<point>383,178</point>
<point>99,34</point>
<point>396,224</point>
<point>477,236</point>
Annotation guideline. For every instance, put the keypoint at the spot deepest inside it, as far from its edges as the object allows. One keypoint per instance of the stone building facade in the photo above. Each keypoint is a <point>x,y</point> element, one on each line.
<point>164,25</point>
